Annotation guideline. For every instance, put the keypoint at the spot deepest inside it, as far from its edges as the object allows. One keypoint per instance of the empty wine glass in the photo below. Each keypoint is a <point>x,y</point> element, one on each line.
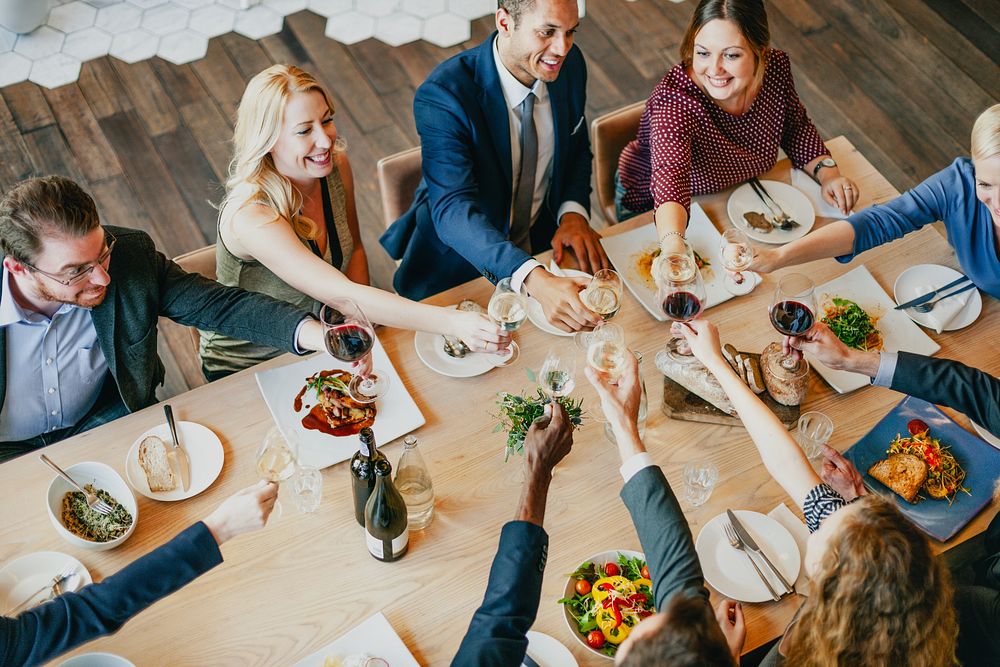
<point>349,336</point>
<point>507,308</point>
<point>603,295</point>
<point>557,377</point>
<point>737,256</point>
<point>277,459</point>
<point>681,301</point>
<point>792,310</point>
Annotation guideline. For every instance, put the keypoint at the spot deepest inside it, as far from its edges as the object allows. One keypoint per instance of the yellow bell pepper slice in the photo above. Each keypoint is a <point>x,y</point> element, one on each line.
<point>618,582</point>
<point>616,635</point>
<point>642,582</point>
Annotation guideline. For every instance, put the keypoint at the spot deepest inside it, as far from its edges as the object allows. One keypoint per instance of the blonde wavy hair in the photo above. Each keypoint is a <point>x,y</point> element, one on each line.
<point>880,597</point>
<point>253,178</point>
<point>986,134</point>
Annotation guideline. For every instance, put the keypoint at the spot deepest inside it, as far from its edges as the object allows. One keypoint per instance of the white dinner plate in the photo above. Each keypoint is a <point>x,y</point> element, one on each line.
<point>374,636</point>
<point>430,350</point>
<point>548,652</point>
<point>24,576</point>
<point>396,412</point>
<point>537,315</point>
<point>728,571</point>
<point>626,251</point>
<point>898,332</point>
<point>986,435</point>
<point>792,201</point>
<point>204,450</point>
<point>97,660</point>
<point>910,281</point>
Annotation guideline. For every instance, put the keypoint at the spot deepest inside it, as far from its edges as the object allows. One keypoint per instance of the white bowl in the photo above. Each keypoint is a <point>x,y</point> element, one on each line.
<point>100,476</point>
<point>603,558</point>
<point>97,660</point>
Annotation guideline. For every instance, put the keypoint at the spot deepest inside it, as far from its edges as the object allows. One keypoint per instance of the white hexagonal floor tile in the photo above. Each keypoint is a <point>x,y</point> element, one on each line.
<point>166,19</point>
<point>75,15</point>
<point>14,68</point>
<point>329,8</point>
<point>118,18</point>
<point>423,8</point>
<point>134,45</point>
<point>258,22</point>
<point>147,4</point>
<point>55,70</point>
<point>7,39</point>
<point>87,44</point>
<point>377,8</point>
<point>472,9</point>
<point>446,30</point>
<point>350,27</point>
<point>213,20</point>
<point>398,29</point>
<point>40,43</point>
<point>286,7</point>
<point>183,47</point>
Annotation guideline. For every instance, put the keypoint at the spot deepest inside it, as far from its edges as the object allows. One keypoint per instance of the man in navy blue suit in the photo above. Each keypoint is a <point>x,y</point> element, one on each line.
<point>482,208</point>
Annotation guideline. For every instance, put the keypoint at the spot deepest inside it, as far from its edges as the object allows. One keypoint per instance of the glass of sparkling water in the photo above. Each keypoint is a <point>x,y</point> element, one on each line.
<point>699,481</point>
<point>307,486</point>
<point>814,431</point>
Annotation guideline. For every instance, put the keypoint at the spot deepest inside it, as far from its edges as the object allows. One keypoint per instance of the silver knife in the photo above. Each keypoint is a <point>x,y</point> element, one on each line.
<point>742,533</point>
<point>529,661</point>
<point>177,452</point>
<point>930,295</point>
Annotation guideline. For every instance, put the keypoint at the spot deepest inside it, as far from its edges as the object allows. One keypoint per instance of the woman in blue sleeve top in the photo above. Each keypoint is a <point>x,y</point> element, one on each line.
<point>965,196</point>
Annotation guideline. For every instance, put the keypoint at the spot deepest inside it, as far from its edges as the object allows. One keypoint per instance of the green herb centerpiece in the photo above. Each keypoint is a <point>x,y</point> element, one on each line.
<point>518,411</point>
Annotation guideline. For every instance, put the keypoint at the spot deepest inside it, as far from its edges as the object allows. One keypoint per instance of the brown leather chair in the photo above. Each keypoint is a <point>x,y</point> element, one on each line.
<point>200,261</point>
<point>398,178</point>
<point>609,134</point>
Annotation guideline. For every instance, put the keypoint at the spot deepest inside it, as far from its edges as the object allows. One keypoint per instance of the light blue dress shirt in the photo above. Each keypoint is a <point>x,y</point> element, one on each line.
<point>55,368</point>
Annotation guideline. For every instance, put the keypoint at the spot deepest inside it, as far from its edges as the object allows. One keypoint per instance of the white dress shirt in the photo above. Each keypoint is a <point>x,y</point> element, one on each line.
<point>514,93</point>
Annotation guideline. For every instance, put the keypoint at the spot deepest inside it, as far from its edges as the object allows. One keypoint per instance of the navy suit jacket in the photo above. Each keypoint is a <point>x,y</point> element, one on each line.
<point>458,224</point>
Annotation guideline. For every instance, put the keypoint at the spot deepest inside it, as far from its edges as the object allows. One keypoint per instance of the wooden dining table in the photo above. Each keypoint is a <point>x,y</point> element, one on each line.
<point>288,590</point>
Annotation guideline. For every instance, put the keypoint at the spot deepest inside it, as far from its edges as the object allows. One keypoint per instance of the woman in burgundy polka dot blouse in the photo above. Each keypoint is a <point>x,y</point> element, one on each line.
<point>717,119</point>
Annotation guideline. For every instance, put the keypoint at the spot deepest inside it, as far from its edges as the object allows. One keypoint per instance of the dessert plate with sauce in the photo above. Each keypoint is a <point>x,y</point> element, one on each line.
<point>204,450</point>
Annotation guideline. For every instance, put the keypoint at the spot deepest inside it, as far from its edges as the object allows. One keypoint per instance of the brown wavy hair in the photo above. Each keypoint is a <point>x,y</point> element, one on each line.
<point>748,15</point>
<point>880,597</point>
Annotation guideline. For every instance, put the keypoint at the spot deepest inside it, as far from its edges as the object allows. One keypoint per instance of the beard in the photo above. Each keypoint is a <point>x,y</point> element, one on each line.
<point>89,298</point>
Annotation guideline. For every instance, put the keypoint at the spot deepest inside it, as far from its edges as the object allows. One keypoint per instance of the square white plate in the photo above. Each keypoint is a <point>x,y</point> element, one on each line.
<point>396,414</point>
<point>624,251</point>
<point>374,636</point>
<point>898,331</point>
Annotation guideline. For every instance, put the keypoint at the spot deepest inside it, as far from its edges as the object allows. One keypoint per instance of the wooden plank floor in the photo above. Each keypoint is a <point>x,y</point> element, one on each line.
<point>903,79</point>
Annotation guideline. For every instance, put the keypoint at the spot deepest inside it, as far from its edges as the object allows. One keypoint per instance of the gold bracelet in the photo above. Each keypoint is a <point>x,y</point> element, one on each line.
<point>666,234</point>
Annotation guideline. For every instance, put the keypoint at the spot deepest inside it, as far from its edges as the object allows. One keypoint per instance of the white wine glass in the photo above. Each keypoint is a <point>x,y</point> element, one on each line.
<point>349,336</point>
<point>737,257</point>
<point>557,376</point>
<point>603,296</point>
<point>606,351</point>
<point>507,309</point>
<point>277,459</point>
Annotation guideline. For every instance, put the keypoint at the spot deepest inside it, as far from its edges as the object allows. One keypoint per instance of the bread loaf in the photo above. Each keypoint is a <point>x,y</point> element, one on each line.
<point>903,473</point>
<point>697,379</point>
<point>154,462</point>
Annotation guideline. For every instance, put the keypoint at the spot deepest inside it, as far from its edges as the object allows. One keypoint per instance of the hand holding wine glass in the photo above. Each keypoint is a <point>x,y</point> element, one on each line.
<point>508,308</point>
<point>603,296</point>
<point>606,352</point>
<point>793,310</point>
<point>681,300</point>
<point>349,336</point>
<point>737,256</point>
<point>557,376</point>
<point>277,459</point>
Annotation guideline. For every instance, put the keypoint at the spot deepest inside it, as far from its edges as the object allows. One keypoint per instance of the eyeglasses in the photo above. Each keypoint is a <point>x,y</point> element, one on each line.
<point>75,275</point>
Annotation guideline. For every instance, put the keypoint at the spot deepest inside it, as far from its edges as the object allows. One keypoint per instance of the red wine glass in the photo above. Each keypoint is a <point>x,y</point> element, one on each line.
<point>349,336</point>
<point>793,310</point>
<point>681,301</point>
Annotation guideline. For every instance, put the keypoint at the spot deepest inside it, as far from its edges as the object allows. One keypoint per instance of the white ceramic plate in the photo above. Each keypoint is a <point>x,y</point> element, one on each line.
<point>548,652</point>
<point>23,576</point>
<point>204,450</point>
<point>898,332</point>
<point>625,250</point>
<point>374,636</point>
<point>728,571</point>
<point>537,315</point>
<point>430,350</point>
<point>97,660</point>
<point>794,203</point>
<point>986,435</point>
<point>909,282</point>
<point>396,413</point>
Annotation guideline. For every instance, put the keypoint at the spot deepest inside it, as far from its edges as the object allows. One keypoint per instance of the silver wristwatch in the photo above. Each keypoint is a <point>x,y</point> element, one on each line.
<point>825,162</point>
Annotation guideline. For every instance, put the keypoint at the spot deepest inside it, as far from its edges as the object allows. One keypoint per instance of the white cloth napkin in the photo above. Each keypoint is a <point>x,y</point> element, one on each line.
<point>800,534</point>
<point>811,190</point>
<point>944,311</point>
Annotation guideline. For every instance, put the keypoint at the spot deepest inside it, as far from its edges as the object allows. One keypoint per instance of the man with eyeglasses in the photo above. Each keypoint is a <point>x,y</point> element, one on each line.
<point>78,312</point>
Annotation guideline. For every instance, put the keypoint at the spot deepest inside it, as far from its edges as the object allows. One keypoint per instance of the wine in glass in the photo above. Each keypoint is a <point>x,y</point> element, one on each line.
<point>607,352</point>
<point>681,302</point>
<point>737,256</point>
<point>793,310</point>
<point>557,376</point>
<point>604,294</point>
<point>508,308</point>
<point>277,459</point>
<point>349,336</point>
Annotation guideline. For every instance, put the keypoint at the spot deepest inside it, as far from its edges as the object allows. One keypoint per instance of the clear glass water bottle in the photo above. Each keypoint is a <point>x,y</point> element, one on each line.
<point>643,409</point>
<point>414,483</point>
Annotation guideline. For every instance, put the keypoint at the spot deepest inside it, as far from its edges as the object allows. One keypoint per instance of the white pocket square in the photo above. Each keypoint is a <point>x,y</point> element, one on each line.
<point>579,124</point>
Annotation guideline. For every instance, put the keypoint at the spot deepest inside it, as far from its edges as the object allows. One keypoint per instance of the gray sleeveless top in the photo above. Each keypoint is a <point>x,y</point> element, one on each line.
<point>220,353</point>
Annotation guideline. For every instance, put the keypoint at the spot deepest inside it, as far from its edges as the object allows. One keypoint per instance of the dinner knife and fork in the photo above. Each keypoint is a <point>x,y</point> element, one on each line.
<point>921,302</point>
<point>54,588</point>
<point>741,540</point>
<point>781,219</point>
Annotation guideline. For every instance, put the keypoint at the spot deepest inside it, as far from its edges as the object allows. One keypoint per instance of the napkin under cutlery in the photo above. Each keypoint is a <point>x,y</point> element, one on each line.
<point>800,534</point>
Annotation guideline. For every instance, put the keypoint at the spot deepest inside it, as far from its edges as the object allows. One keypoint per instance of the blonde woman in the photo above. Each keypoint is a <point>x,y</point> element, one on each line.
<point>965,196</point>
<point>288,226</point>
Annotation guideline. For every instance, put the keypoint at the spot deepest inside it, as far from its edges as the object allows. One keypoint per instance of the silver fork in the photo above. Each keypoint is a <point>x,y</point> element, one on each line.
<point>736,543</point>
<point>53,586</point>
<point>927,307</point>
<point>93,500</point>
<point>782,219</point>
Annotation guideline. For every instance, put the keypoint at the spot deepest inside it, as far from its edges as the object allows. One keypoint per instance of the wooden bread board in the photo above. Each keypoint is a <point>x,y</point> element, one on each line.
<point>680,403</point>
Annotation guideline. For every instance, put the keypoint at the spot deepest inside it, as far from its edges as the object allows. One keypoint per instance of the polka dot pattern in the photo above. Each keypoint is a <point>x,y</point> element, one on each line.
<point>687,145</point>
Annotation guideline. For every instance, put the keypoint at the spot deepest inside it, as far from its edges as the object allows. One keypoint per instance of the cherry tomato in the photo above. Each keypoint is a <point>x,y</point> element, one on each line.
<point>612,570</point>
<point>595,639</point>
<point>644,572</point>
<point>917,426</point>
<point>582,586</point>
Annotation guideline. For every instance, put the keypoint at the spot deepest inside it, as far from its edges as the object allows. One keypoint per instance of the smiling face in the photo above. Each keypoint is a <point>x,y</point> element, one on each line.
<point>58,255</point>
<point>537,44</point>
<point>723,63</point>
<point>304,149</point>
<point>988,184</point>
